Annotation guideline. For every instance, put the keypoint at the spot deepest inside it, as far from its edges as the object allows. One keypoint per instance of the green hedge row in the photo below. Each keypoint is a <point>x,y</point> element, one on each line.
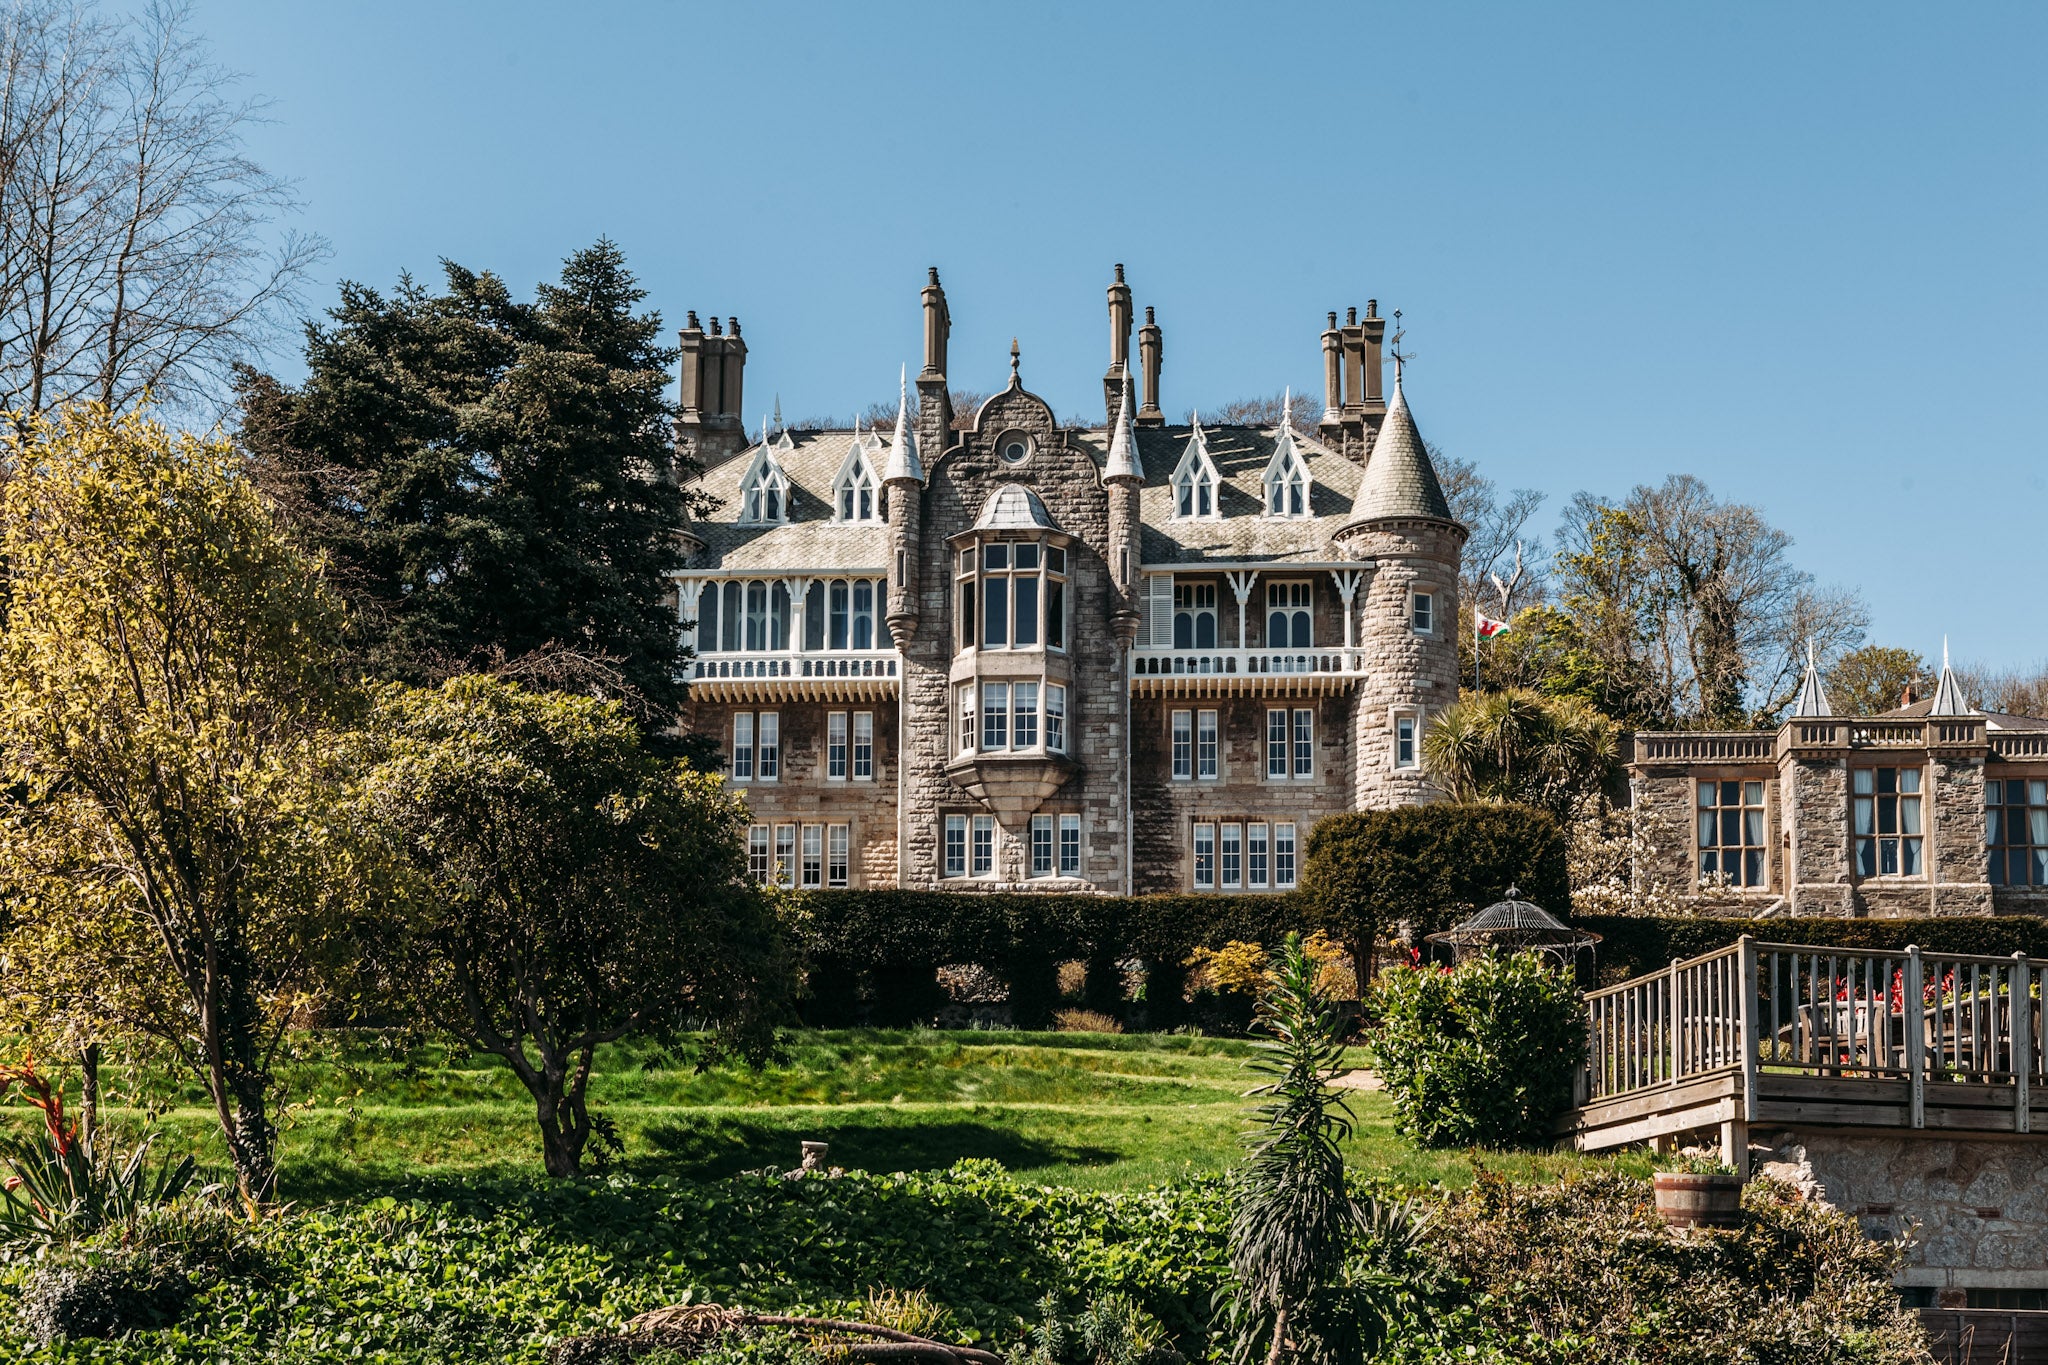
<point>874,954</point>
<point>1633,945</point>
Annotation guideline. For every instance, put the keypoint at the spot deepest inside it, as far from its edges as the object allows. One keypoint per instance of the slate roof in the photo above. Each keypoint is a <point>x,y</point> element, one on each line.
<point>812,540</point>
<point>1399,479</point>
<point>1993,720</point>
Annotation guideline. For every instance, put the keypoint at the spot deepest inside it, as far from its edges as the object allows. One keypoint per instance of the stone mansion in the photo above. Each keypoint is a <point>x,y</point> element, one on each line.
<point>988,651</point>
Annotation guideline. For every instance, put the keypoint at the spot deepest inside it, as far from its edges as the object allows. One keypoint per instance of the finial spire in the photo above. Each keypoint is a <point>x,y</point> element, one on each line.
<point>1399,356</point>
<point>903,461</point>
<point>1015,379</point>
<point>1813,698</point>
<point>1123,461</point>
<point>1287,408</point>
<point>1948,693</point>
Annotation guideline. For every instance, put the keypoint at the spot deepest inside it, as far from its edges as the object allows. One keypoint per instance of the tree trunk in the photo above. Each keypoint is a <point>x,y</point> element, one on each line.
<point>564,1127</point>
<point>242,1084</point>
<point>89,1093</point>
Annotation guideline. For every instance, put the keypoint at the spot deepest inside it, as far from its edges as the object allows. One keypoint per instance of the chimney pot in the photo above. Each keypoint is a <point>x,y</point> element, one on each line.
<point>734,324</point>
<point>714,326</point>
<point>1372,308</point>
<point>1351,317</point>
<point>1333,318</point>
<point>933,271</point>
<point>1119,272</point>
<point>1148,313</point>
<point>690,319</point>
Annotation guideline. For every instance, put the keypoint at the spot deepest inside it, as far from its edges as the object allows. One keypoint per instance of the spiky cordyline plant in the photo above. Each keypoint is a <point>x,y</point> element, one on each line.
<point>1304,1285</point>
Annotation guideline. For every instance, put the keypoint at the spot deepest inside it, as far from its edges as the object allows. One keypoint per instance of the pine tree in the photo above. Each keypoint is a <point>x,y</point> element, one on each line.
<point>492,481</point>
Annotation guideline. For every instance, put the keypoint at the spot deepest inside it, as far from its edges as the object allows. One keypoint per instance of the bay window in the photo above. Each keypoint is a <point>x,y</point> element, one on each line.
<point>1012,595</point>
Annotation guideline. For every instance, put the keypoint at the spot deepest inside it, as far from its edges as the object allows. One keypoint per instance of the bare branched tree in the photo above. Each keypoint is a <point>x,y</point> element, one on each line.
<point>1499,526</point>
<point>141,250</point>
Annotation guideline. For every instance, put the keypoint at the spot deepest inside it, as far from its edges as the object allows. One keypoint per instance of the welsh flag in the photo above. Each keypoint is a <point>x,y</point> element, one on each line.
<point>1486,627</point>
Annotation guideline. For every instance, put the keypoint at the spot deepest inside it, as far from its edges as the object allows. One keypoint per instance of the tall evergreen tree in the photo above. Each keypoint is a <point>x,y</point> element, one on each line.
<point>492,481</point>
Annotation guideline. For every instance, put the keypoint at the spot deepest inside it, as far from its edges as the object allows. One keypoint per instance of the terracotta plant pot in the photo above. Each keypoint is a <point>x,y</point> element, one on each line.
<point>1685,1200</point>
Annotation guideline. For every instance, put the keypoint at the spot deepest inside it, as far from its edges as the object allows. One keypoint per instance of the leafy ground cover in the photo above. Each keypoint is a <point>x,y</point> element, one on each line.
<point>1096,1111</point>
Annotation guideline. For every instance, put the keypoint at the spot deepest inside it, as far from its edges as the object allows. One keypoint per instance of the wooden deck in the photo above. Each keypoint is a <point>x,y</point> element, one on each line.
<point>1801,1036</point>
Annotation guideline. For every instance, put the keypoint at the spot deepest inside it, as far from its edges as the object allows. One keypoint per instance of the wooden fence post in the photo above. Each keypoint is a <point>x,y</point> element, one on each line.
<point>2019,1008</point>
<point>1677,1035</point>
<point>1747,1019</point>
<point>1914,1007</point>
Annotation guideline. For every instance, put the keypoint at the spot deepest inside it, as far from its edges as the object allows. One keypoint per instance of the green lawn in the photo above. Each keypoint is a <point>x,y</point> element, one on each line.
<point>1085,1110</point>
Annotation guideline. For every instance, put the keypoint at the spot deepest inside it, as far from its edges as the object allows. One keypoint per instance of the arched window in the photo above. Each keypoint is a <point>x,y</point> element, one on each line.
<point>1289,624</point>
<point>764,492</point>
<point>1194,480</point>
<point>856,493</point>
<point>1287,481</point>
<point>1194,616</point>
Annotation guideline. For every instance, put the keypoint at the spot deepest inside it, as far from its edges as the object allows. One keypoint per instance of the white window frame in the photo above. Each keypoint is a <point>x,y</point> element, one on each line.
<point>835,746</point>
<point>838,855</point>
<point>812,858</point>
<point>764,492</point>
<point>953,846</point>
<point>1422,611</point>
<point>1044,854</point>
<point>995,717</point>
<point>1230,856</point>
<point>760,865</point>
<point>1023,710</point>
<point>1289,598</point>
<point>767,746</point>
<point>1258,854</point>
<point>857,476</point>
<point>1195,482</point>
<point>1208,745</point>
<point>863,746</point>
<point>1203,856</point>
<point>1182,740</point>
<point>1407,740</point>
<point>1304,746</point>
<point>1286,855</point>
<point>1288,487</point>
<point>785,854</point>
<point>1070,843</point>
<point>1278,746</point>
<point>981,847</point>
<point>1055,718</point>
<point>742,746</point>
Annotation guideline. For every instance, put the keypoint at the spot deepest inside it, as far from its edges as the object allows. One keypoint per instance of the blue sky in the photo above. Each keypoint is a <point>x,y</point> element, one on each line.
<point>1796,250</point>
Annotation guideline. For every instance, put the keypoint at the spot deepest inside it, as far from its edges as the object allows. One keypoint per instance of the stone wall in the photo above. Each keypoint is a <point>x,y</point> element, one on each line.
<point>1977,1207</point>
<point>1165,810</point>
<point>803,794</point>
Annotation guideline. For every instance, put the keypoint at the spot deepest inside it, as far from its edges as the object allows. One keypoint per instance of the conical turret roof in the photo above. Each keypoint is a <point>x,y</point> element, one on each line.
<point>1123,462</point>
<point>1812,699</point>
<point>1399,479</point>
<point>1948,694</point>
<point>903,461</point>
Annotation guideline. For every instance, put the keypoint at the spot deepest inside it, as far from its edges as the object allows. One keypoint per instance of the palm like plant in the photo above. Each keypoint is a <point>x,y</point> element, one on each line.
<point>1301,1244</point>
<point>1521,746</point>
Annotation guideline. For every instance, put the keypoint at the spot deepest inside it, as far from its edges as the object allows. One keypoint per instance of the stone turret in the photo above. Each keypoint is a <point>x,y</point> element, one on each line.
<point>1408,627</point>
<point>903,484</point>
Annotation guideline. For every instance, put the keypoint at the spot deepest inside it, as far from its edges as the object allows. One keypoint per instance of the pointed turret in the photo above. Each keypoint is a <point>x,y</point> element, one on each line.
<point>1812,699</point>
<point>1124,462</point>
<point>1948,694</point>
<point>1399,479</point>
<point>903,461</point>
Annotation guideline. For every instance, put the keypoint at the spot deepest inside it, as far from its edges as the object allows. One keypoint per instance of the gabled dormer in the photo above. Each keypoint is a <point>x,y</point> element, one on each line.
<point>856,490</point>
<point>1194,480</point>
<point>764,488</point>
<point>1287,477</point>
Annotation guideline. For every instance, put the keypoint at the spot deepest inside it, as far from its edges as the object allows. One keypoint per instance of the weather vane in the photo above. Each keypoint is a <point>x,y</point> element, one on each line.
<point>1401,357</point>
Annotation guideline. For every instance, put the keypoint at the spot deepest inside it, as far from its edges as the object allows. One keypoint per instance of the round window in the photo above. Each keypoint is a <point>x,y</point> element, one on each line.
<point>1014,449</point>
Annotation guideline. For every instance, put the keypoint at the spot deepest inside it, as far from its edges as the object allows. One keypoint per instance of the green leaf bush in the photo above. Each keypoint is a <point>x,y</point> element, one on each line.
<point>1481,1054</point>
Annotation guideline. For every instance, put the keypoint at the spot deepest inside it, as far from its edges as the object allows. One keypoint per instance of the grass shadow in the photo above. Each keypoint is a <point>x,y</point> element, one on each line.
<point>721,1145</point>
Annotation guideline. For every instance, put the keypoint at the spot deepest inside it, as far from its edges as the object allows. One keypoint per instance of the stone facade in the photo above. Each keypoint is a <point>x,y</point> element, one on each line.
<point>1973,1211</point>
<point>1187,643</point>
<point>1910,813</point>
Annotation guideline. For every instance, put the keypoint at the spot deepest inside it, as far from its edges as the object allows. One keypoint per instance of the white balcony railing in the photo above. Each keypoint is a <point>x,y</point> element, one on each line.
<point>1167,672</point>
<point>762,674</point>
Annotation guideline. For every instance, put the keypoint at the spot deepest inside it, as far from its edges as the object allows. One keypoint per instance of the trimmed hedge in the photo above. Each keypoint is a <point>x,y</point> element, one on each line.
<point>1432,865</point>
<point>1429,864</point>
<point>1632,945</point>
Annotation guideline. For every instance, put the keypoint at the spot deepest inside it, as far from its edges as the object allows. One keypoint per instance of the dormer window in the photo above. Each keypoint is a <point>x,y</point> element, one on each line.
<point>1287,479</point>
<point>1194,480</point>
<point>764,492</point>
<point>855,494</point>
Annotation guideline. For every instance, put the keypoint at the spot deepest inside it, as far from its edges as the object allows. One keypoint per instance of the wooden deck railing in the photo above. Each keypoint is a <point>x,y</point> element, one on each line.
<point>1790,1009</point>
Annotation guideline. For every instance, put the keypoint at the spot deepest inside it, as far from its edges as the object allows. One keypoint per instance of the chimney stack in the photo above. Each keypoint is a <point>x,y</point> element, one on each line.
<point>1149,354</point>
<point>1333,372</point>
<point>1119,347</point>
<point>934,403</point>
<point>713,388</point>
